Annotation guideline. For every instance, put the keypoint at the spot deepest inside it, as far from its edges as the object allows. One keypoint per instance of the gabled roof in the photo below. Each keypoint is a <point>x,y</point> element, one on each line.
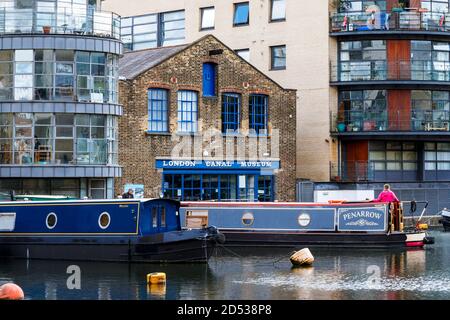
<point>134,63</point>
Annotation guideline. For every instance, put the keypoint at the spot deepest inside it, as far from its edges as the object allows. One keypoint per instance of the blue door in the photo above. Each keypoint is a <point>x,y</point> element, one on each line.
<point>209,80</point>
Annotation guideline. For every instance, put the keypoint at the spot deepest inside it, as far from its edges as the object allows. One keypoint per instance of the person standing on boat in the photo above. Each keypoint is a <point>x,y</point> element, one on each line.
<point>128,195</point>
<point>387,195</point>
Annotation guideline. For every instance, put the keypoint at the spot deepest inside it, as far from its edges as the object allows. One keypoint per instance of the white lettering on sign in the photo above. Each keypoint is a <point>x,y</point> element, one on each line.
<point>178,163</point>
<point>256,164</point>
<point>219,163</point>
<point>362,214</point>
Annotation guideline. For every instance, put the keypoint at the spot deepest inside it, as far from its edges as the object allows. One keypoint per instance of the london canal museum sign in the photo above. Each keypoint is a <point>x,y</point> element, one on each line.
<point>212,164</point>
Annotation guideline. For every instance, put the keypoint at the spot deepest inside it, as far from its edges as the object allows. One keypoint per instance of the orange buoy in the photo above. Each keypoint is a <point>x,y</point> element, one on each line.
<point>11,291</point>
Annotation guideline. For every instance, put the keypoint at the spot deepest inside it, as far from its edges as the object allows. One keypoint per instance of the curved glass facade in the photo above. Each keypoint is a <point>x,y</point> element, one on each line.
<point>57,17</point>
<point>58,75</point>
<point>57,139</point>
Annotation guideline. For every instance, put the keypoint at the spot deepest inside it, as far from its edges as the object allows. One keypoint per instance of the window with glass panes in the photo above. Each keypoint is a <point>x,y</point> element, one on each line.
<point>430,108</point>
<point>430,60</point>
<point>187,111</point>
<point>207,18</point>
<point>231,106</point>
<point>153,30</point>
<point>221,187</point>
<point>278,10</point>
<point>172,28</point>
<point>66,187</point>
<point>362,60</point>
<point>47,138</point>
<point>244,54</point>
<point>258,113</point>
<point>278,57</point>
<point>6,75</point>
<point>158,110</point>
<point>241,14</point>
<point>265,188</point>
<point>435,5</point>
<point>393,156</point>
<point>23,75</point>
<point>361,5</point>
<point>58,75</point>
<point>437,156</point>
<point>365,110</point>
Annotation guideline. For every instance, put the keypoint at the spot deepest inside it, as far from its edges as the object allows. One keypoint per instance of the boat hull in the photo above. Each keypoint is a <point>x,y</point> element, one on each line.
<point>195,249</point>
<point>445,221</point>
<point>297,240</point>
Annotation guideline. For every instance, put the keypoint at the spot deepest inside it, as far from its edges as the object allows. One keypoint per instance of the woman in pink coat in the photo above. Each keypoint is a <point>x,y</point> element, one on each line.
<point>387,195</point>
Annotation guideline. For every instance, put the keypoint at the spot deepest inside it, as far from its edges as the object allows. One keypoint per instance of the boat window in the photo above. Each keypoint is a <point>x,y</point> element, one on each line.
<point>196,219</point>
<point>163,217</point>
<point>51,220</point>
<point>104,220</point>
<point>7,221</point>
<point>247,219</point>
<point>304,219</point>
<point>155,217</point>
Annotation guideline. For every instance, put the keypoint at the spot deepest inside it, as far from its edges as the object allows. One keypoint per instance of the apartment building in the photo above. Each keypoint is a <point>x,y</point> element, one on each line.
<point>59,105</point>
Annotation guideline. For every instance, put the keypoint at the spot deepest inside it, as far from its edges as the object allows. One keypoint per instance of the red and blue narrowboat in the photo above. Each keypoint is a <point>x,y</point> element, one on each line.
<point>277,224</point>
<point>122,230</point>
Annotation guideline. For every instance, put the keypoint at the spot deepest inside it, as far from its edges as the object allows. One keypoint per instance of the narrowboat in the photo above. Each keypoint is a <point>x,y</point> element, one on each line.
<point>276,224</point>
<point>122,230</point>
<point>445,221</point>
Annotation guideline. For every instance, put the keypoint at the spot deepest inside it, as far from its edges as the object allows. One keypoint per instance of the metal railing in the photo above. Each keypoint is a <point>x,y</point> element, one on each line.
<point>351,171</point>
<point>367,121</point>
<point>393,21</point>
<point>79,22</point>
<point>382,70</point>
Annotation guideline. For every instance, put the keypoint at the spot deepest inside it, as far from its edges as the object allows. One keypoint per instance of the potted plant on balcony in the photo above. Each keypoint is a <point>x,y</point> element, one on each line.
<point>398,7</point>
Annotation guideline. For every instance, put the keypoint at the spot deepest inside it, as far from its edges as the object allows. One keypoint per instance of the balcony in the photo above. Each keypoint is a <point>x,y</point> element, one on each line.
<point>427,122</point>
<point>383,22</point>
<point>73,22</point>
<point>351,171</point>
<point>423,71</point>
<point>378,171</point>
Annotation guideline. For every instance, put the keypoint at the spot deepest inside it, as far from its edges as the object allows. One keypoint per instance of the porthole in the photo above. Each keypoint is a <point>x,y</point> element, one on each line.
<point>247,219</point>
<point>104,220</point>
<point>51,220</point>
<point>304,219</point>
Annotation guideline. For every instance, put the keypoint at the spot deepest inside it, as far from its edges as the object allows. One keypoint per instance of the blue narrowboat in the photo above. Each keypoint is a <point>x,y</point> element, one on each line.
<point>123,230</point>
<point>337,223</point>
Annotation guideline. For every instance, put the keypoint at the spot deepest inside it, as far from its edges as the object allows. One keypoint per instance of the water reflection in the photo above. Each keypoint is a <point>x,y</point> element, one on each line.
<point>250,274</point>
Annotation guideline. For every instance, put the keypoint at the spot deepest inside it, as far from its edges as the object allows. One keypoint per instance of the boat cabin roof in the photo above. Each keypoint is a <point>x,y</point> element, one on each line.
<point>205,204</point>
<point>84,201</point>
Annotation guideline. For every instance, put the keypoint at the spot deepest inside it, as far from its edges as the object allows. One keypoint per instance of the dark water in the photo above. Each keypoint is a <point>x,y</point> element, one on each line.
<point>254,274</point>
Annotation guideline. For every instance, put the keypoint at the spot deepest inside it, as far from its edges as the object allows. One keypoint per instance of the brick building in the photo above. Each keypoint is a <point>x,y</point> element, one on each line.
<point>201,123</point>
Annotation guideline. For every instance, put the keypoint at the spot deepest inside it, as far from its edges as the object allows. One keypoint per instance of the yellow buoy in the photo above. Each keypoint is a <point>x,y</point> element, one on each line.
<point>302,258</point>
<point>156,277</point>
<point>422,226</point>
<point>157,290</point>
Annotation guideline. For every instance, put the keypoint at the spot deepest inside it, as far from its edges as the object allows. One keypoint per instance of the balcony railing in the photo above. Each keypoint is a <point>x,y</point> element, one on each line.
<point>351,171</point>
<point>394,21</point>
<point>82,22</point>
<point>366,121</point>
<point>382,70</point>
